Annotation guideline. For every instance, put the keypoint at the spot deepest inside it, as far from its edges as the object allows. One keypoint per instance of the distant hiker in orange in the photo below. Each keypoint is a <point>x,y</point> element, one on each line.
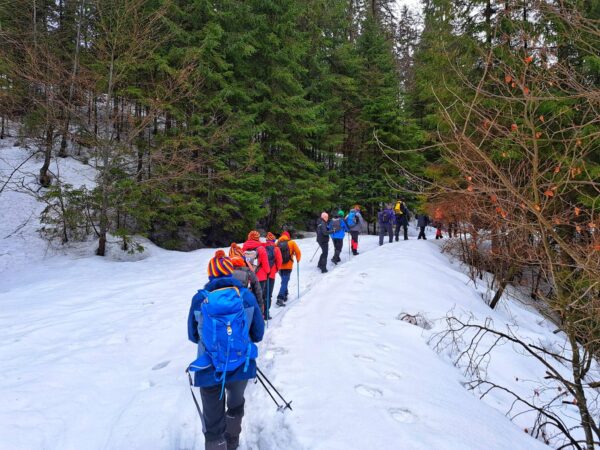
<point>289,250</point>
<point>438,221</point>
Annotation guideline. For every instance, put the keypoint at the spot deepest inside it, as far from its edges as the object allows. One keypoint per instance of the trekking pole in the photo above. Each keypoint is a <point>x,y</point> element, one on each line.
<point>268,314</point>
<point>349,247</point>
<point>187,371</point>
<point>287,404</point>
<point>313,256</point>
<point>269,392</point>
<point>298,276</point>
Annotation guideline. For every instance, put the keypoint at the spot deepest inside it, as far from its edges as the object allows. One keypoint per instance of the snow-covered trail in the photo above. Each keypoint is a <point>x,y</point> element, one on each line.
<point>93,352</point>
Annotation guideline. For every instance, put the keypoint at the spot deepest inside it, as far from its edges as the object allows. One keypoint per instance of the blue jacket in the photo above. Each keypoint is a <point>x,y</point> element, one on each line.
<point>206,377</point>
<point>341,233</point>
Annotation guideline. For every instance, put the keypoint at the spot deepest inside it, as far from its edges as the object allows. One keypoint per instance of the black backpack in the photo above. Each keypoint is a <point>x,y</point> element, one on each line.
<point>271,255</point>
<point>336,224</point>
<point>285,251</point>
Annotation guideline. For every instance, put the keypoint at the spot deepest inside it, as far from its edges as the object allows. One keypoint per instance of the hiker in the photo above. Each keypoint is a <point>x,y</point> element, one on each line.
<point>422,222</point>
<point>275,261</point>
<point>354,222</point>
<point>438,231</point>
<point>385,218</point>
<point>289,250</point>
<point>242,271</point>
<point>438,218</point>
<point>453,228</point>
<point>402,217</point>
<point>338,229</point>
<point>323,233</point>
<point>255,253</point>
<point>222,378</point>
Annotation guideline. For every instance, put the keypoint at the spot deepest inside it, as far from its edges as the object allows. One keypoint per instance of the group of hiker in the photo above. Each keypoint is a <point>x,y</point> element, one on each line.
<point>226,320</point>
<point>227,317</point>
<point>336,229</point>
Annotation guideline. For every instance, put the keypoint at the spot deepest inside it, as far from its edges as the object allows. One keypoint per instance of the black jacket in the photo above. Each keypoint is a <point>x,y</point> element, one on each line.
<point>422,220</point>
<point>322,232</point>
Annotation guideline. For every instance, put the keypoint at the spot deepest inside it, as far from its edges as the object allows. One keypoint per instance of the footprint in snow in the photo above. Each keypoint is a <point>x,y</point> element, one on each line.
<point>385,348</point>
<point>367,391</point>
<point>364,357</point>
<point>161,365</point>
<point>363,275</point>
<point>402,415</point>
<point>393,376</point>
<point>272,352</point>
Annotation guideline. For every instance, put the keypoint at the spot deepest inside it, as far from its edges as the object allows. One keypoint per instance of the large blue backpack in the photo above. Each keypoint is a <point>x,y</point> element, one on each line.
<point>224,331</point>
<point>351,219</point>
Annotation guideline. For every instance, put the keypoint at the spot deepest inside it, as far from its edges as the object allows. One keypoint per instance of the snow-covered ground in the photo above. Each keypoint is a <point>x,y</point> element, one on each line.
<point>93,352</point>
<point>20,242</point>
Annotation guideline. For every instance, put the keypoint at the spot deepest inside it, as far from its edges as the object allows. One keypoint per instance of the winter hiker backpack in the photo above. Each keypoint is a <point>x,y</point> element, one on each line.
<point>351,219</point>
<point>398,208</point>
<point>284,247</point>
<point>336,224</point>
<point>251,258</point>
<point>271,254</point>
<point>224,331</point>
<point>386,215</point>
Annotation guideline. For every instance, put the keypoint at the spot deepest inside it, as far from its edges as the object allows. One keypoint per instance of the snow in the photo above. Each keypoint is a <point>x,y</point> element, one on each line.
<point>93,350</point>
<point>20,242</point>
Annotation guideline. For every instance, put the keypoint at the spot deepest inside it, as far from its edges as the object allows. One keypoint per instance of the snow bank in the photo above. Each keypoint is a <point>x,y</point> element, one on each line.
<point>20,241</point>
<point>93,352</point>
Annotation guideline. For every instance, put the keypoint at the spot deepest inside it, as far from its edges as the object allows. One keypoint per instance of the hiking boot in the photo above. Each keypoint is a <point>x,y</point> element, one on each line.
<point>280,302</point>
<point>218,444</point>
<point>233,428</point>
<point>324,270</point>
<point>267,316</point>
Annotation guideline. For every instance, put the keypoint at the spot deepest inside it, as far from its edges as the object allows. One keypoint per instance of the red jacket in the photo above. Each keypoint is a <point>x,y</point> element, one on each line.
<point>262,270</point>
<point>278,260</point>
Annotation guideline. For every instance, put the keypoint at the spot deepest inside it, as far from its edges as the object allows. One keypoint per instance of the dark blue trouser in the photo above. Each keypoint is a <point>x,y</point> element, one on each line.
<point>285,275</point>
<point>213,408</point>
<point>386,228</point>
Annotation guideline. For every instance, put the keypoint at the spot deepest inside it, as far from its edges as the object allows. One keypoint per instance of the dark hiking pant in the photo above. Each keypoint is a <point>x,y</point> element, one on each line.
<point>338,244</point>
<point>354,242</point>
<point>267,288</point>
<point>323,258</point>
<point>285,275</point>
<point>386,229</point>
<point>402,225</point>
<point>213,410</point>
<point>422,233</point>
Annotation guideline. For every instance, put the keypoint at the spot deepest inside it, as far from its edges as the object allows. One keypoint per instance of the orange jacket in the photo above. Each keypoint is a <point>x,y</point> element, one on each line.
<point>294,253</point>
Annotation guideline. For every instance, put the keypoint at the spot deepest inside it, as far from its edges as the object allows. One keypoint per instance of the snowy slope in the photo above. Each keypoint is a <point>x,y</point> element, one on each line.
<point>93,352</point>
<point>20,242</point>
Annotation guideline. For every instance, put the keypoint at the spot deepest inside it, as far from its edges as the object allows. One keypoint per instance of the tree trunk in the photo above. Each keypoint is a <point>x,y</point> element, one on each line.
<point>45,178</point>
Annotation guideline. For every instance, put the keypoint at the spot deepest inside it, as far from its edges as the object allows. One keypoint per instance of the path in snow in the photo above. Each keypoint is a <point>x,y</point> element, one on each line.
<point>93,352</point>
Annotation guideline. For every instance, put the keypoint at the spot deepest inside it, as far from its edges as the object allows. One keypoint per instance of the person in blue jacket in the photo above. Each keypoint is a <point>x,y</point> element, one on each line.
<point>338,228</point>
<point>222,429</point>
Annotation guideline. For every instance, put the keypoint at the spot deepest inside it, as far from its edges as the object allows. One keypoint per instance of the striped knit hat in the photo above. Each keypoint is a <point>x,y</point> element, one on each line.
<point>219,266</point>
<point>235,250</point>
<point>254,235</point>
<point>271,237</point>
